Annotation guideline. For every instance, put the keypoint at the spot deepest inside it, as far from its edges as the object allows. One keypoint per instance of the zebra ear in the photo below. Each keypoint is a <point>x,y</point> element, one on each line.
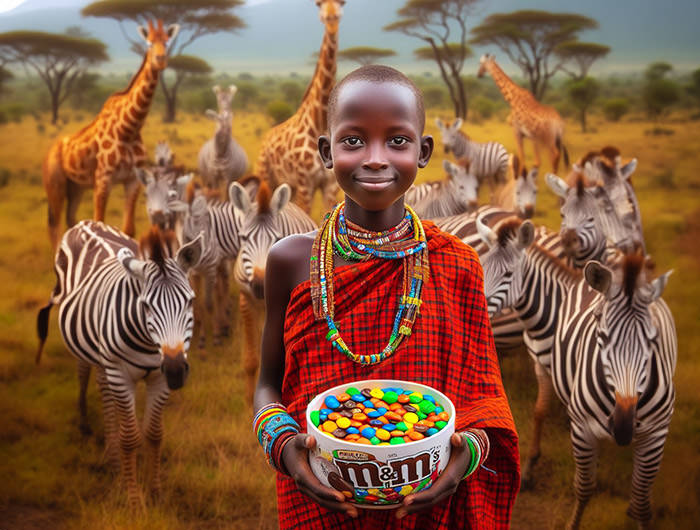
<point>211,114</point>
<point>556,184</point>
<point>188,256</point>
<point>658,286</point>
<point>181,183</point>
<point>280,198</point>
<point>134,267</point>
<point>485,232</point>
<point>177,205</point>
<point>526,234</point>
<point>233,89</point>
<point>439,123</point>
<point>627,170</point>
<point>598,276</point>
<point>239,197</point>
<point>199,206</point>
<point>457,125</point>
<point>144,176</point>
<point>449,167</point>
<point>216,89</point>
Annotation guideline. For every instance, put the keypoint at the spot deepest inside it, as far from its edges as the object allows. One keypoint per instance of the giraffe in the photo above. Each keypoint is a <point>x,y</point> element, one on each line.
<point>529,118</point>
<point>107,150</point>
<point>289,151</point>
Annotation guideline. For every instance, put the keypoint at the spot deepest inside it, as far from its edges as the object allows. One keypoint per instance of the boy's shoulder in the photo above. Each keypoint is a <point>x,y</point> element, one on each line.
<point>288,258</point>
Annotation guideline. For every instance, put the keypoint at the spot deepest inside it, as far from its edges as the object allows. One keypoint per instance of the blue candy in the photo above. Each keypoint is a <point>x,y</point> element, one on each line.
<point>431,431</point>
<point>438,410</point>
<point>430,398</point>
<point>352,430</point>
<point>381,410</point>
<point>368,432</point>
<point>332,402</point>
<point>373,414</point>
<point>376,423</point>
<point>389,427</point>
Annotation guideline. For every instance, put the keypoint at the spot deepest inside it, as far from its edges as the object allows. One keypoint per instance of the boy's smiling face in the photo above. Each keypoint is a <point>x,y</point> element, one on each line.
<point>376,144</point>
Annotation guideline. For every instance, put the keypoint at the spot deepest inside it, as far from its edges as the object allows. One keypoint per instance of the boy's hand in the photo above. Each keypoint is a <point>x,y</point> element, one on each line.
<point>445,485</point>
<point>296,459</point>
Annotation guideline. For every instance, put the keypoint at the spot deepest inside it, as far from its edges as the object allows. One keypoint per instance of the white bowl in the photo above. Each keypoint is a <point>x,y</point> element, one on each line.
<point>380,476</point>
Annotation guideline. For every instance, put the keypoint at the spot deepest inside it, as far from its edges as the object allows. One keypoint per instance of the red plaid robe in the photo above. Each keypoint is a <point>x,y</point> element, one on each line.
<point>451,349</point>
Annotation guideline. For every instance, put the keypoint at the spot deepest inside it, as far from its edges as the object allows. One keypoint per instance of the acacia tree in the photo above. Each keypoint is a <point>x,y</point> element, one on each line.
<point>184,66</point>
<point>582,93</point>
<point>365,55</point>
<point>581,54</point>
<point>529,38</point>
<point>434,22</point>
<point>58,59</point>
<point>659,92</point>
<point>196,19</point>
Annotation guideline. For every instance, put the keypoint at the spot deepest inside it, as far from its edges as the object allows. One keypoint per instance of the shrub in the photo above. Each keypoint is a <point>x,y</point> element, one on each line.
<point>615,108</point>
<point>483,107</point>
<point>434,96</point>
<point>279,111</point>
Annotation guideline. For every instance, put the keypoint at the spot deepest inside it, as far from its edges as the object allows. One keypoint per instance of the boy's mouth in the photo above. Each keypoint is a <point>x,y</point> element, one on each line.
<point>374,183</point>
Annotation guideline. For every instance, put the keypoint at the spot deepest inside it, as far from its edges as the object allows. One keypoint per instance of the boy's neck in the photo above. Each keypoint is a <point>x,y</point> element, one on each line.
<point>377,221</point>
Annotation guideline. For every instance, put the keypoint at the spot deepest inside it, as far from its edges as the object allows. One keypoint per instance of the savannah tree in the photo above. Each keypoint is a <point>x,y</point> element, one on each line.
<point>365,55</point>
<point>59,60</point>
<point>196,19</point>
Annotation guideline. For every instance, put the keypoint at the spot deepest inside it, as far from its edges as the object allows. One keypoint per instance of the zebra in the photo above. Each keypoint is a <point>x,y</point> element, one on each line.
<point>520,193</point>
<point>488,161</point>
<point>221,159</point>
<point>454,195</point>
<point>161,190</point>
<point>163,155</point>
<point>267,219</point>
<point>613,351</point>
<point>131,318</point>
<point>590,226</point>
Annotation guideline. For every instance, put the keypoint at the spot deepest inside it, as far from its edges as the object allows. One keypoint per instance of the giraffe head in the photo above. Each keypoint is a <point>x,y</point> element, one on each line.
<point>484,64</point>
<point>157,38</point>
<point>330,12</point>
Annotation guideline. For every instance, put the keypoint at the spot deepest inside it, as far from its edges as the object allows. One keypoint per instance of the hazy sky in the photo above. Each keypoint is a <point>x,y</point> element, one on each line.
<point>282,34</point>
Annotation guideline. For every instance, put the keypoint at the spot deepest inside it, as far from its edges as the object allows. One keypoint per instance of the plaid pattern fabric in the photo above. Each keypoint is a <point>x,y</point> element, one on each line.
<point>451,349</point>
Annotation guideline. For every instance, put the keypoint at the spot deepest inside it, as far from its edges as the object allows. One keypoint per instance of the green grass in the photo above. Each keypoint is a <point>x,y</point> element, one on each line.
<point>214,475</point>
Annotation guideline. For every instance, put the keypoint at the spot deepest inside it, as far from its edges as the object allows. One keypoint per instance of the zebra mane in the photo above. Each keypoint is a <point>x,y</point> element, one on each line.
<point>580,183</point>
<point>464,162</point>
<point>193,186</point>
<point>263,198</point>
<point>589,157</point>
<point>558,263</point>
<point>158,245</point>
<point>632,265</point>
<point>507,230</point>
<point>610,153</point>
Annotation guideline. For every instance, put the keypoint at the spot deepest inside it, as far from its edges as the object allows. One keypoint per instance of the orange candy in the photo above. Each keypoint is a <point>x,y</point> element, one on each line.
<point>414,435</point>
<point>333,416</point>
<point>343,397</point>
<point>360,416</point>
<point>403,398</point>
<point>363,440</point>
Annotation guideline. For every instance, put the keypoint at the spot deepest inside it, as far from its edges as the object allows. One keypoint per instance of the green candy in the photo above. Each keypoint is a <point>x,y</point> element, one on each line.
<point>426,407</point>
<point>390,397</point>
<point>352,391</point>
<point>396,441</point>
<point>421,416</point>
<point>415,398</point>
<point>375,440</point>
<point>440,424</point>
<point>314,418</point>
<point>402,426</point>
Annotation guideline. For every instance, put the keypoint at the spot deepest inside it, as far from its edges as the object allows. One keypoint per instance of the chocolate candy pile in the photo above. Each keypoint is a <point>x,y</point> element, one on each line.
<point>380,416</point>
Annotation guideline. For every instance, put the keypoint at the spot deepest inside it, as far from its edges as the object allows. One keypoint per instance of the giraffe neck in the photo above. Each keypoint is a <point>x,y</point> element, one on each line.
<point>137,98</point>
<point>511,91</point>
<point>315,101</point>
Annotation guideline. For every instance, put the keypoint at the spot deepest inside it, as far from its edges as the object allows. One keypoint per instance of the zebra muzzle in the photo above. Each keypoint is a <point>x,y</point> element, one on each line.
<point>175,369</point>
<point>623,419</point>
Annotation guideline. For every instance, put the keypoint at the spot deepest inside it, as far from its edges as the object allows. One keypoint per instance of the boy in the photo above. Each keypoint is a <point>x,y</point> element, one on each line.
<point>317,291</point>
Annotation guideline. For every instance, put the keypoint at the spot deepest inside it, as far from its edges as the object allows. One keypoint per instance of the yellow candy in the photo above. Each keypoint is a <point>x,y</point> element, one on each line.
<point>376,393</point>
<point>373,491</point>
<point>382,434</point>
<point>410,417</point>
<point>343,422</point>
<point>329,426</point>
<point>383,443</point>
<point>406,490</point>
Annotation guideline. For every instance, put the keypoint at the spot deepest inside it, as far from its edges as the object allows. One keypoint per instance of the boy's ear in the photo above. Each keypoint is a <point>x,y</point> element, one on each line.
<point>426,150</point>
<point>324,149</point>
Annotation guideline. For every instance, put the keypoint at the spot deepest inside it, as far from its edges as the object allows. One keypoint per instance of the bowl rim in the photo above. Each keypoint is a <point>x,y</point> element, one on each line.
<point>417,444</point>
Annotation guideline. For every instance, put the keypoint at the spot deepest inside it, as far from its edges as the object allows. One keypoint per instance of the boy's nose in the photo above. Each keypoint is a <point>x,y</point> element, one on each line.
<point>375,159</point>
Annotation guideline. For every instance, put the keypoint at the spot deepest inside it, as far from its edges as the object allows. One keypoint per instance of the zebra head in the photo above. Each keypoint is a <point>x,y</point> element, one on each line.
<point>163,155</point>
<point>450,133</point>
<point>463,185</point>
<point>224,98</point>
<point>165,298</point>
<point>526,193</point>
<point>626,334</point>
<point>588,219</point>
<point>161,191</point>
<point>504,262</point>
<point>260,229</point>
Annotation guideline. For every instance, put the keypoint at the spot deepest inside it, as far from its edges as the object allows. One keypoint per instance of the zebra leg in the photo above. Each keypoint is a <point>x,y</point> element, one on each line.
<point>585,449</point>
<point>157,393</point>
<point>251,346</point>
<point>83,380</point>
<point>124,392</point>
<point>111,427</point>
<point>648,452</point>
<point>209,289</point>
<point>544,398</point>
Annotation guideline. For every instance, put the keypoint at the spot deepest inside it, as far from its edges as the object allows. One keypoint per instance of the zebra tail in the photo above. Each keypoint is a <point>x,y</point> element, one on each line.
<point>42,328</point>
<point>562,148</point>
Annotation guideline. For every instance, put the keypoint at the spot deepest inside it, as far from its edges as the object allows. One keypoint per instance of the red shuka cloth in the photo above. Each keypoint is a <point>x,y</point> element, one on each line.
<point>451,349</point>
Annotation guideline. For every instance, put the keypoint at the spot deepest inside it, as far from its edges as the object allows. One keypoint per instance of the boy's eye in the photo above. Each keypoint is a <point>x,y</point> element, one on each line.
<point>352,141</point>
<point>398,140</point>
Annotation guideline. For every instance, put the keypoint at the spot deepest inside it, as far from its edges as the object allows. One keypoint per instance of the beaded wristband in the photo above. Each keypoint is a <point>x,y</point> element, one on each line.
<point>274,428</point>
<point>478,443</point>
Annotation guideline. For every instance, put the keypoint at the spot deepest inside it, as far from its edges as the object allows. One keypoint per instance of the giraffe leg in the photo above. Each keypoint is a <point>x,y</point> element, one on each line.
<point>585,449</point>
<point>157,394</point>
<point>111,454</point>
<point>554,154</point>
<point>648,451</point>
<point>519,143</point>
<point>536,148</point>
<point>74,193</point>
<point>103,184</point>
<point>131,195</point>
<point>544,397</point>
<point>251,346</point>
<point>83,380</point>
<point>55,185</point>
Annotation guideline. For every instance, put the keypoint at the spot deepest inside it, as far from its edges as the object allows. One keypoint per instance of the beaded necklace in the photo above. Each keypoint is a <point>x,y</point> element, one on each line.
<point>406,241</point>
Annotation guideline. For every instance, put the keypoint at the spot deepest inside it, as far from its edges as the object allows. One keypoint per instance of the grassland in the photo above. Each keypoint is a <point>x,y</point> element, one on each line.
<point>214,474</point>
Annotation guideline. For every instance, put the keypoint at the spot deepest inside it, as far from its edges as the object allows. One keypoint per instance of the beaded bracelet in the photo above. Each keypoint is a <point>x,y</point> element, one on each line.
<point>274,428</point>
<point>478,443</point>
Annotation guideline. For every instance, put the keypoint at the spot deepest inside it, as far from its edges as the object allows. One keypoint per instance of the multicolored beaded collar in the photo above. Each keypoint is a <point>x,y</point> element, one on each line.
<point>406,241</point>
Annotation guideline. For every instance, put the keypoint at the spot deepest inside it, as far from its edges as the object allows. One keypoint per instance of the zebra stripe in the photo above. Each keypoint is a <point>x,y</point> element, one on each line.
<point>130,318</point>
<point>456,194</point>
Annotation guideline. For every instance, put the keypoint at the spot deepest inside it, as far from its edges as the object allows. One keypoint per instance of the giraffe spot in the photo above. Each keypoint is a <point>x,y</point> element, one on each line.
<point>106,144</point>
<point>112,158</point>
